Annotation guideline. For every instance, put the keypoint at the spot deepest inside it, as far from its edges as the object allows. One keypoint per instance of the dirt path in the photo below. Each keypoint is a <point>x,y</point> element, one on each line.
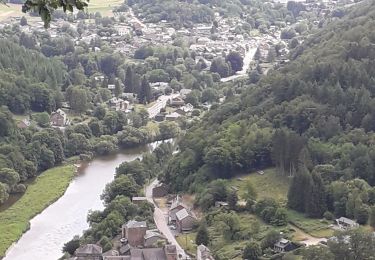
<point>161,220</point>
<point>307,238</point>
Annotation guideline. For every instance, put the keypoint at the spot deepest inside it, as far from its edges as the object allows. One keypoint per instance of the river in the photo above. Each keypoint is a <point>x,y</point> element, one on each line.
<point>65,218</point>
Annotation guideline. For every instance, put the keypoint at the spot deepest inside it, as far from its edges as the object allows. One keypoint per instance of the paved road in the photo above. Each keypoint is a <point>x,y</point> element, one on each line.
<point>160,103</point>
<point>161,220</point>
<point>249,56</point>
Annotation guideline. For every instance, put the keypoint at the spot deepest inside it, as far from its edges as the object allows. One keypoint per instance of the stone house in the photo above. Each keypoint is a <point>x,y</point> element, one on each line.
<point>134,232</point>
<point>185,220</point>
<point>59,118</point>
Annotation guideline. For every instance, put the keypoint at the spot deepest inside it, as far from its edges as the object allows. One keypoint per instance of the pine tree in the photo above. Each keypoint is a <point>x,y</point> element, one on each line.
<point>118,88</point>
<point>301,184</point>
<point>232,200</point>
<point>315,197</point>
<point>202,237</point>
<point>144,95</point>
<point>129,80</point>
<point>372,217</point>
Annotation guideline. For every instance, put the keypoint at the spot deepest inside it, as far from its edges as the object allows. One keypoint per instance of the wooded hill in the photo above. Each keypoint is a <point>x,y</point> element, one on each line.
<point>317,114</point>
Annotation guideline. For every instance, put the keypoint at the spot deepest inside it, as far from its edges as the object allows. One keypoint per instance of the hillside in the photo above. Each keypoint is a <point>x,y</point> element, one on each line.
<point>322,101</point>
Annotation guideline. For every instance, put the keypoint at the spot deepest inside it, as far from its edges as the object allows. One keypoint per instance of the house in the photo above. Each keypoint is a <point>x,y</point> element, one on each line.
<point>160,117</point>
<point>345,223</point>
<point>159,190</point>
<point>176,102</point>
<point>152,237</point>
<point>88,252</point>
<point>176,206</point>
<point>185,220</point>
<point>138,200</point>
<point>172,116</point>
<point>185,110</point>
<point>284,245</point>
<point>118,104</point>
<point>24,123</point>
<point>203,253</point>
<point>168,252</point>
<point>221,204</point>
<point>134,232</point>
<point>59,118</point>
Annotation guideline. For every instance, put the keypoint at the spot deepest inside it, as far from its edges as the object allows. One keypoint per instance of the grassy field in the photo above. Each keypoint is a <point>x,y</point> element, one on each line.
<point>187,242</point>
<point>10,10</point>
<point>46,189</point>
<point>314,227</point>
<point>270,184</point>
<point>103,6</point>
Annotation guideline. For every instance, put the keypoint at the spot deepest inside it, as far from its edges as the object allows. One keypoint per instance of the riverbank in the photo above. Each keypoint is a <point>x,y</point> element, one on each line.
<point>15,220</point>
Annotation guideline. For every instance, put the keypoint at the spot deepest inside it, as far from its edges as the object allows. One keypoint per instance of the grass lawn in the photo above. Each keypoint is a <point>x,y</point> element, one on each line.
<point>314,227</point>
<point>187,242</point>
<point>270,184</point>
<point>47,188</point>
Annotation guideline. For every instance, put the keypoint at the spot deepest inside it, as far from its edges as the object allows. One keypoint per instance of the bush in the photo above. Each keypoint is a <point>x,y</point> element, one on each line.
<point>328,215</point>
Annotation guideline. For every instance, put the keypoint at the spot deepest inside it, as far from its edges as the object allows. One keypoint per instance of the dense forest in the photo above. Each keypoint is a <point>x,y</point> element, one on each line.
<point>312,119</point>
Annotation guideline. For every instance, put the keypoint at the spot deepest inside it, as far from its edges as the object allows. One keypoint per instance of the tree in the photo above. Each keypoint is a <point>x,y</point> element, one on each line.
<point>121,185</point>
<point>4,195</point>
<point>42,119</point>
<point>235,60</point>
<point>219,66</point>
<point>144,95</point>
<point>270,239</point>
<point>317,253</point>
<point>301,183</point>
<point>23,21</point>
<point>9,177</point>
<point>316,197</point>
<point>230,225</point>
<point>232,200</point>
<point>78,99</point>
<point>372,216</point>
<point>71,246</point>
<point>118,88</point>
<point>252,251</point>
<point>362,215</point>
<point>129,80</point>
<point>202,237</point>
<point>46,9</point>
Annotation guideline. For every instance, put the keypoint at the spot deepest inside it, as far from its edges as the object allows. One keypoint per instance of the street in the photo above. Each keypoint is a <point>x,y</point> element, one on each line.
<point>161,220</point>
<point>160,103</point>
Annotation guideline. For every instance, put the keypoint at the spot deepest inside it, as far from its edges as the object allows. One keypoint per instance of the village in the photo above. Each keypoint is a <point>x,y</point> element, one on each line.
<point>174,215</point>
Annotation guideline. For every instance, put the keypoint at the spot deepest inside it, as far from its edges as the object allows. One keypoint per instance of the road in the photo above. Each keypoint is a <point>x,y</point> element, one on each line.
<point>249,56</point>
<point>160,103</point>
<point>161,221</point>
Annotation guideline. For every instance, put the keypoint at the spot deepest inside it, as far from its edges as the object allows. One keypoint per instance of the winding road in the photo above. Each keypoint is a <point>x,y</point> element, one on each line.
<point>161,221</point>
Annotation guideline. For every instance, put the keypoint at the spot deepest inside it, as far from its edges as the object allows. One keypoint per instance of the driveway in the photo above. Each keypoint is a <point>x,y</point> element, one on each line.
<point>161,220</point>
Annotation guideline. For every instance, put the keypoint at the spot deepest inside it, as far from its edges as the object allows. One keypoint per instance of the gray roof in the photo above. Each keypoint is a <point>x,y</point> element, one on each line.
<point>136,224</point>
<point>150,233</point>
<point>347,221</point>
<point>182,214</point>
<point>282,243</point>
<point>148,254</point>
<point>89,249</point>
<point>139,198</point>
